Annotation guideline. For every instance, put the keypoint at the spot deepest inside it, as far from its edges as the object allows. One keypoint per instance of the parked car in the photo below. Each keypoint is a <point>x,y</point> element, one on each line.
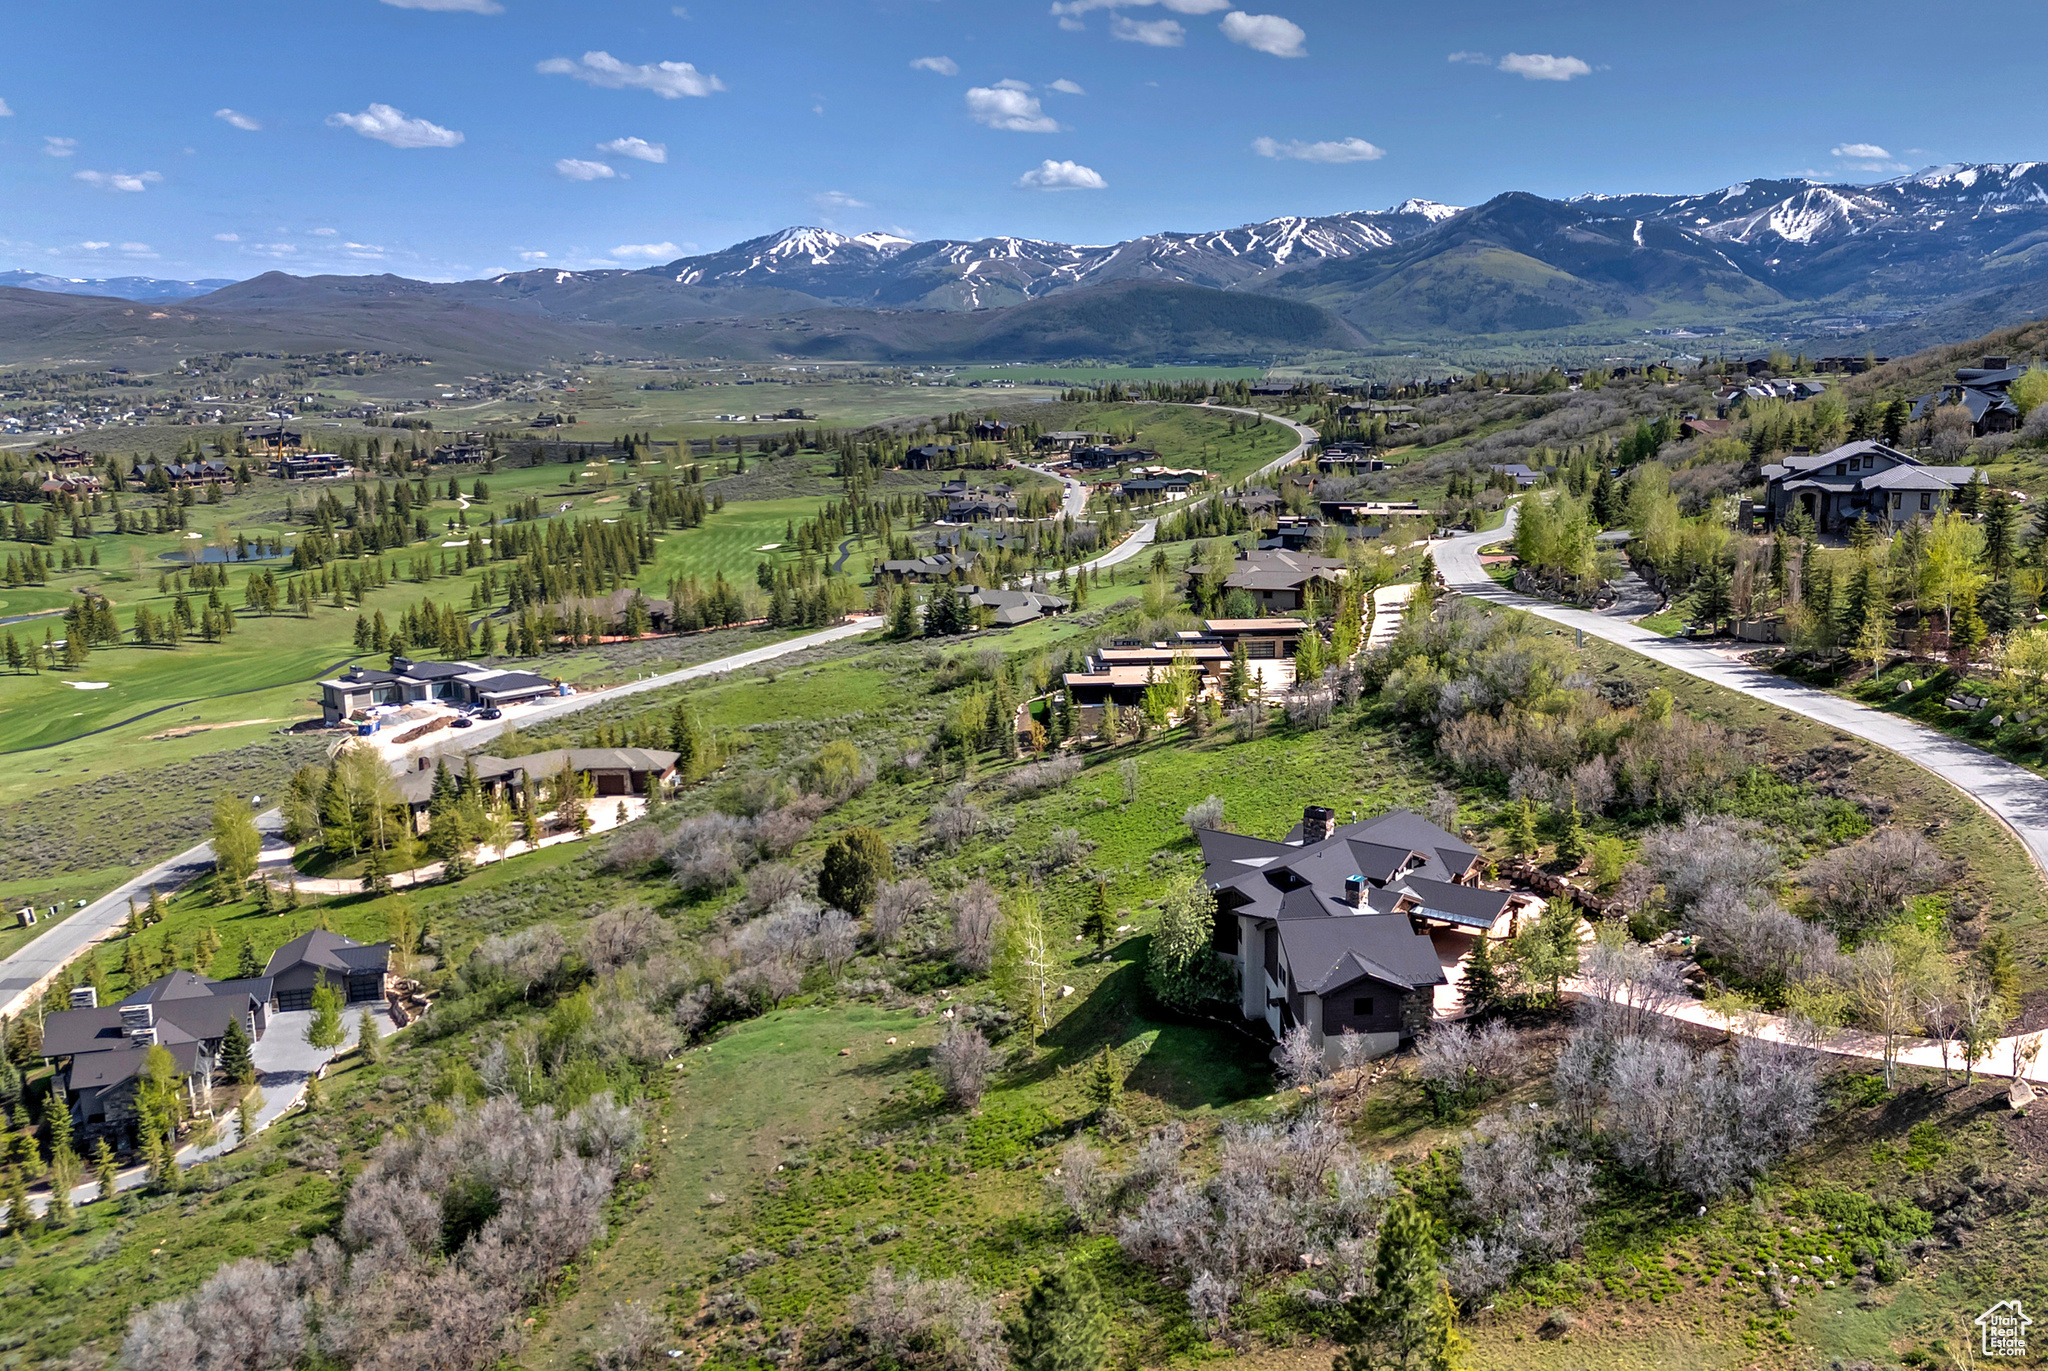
<point>492,713</point>
<point>462,721</point>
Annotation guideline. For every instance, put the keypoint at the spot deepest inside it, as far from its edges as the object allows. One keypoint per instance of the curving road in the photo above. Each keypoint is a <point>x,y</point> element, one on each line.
<point>2012,793</point>
<point>24,972</point>
<point>1141,537</point>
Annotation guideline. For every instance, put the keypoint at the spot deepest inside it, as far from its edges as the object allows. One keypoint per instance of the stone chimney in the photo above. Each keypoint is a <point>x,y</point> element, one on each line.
<point>138,1022</point>
<point>1354,891</point>
<point>1318,823</point>
<point>1997,363</point>
<point>84,997</point>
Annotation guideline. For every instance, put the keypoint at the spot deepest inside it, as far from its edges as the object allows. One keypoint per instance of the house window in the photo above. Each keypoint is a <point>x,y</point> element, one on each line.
<point>1898,500</point>
<point>1362,1009</point>
<point>1841,468</point>
<point>1926,501</point>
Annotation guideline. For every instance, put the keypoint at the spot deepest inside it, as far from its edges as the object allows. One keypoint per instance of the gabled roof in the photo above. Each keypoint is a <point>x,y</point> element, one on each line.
<point>1470,905</point>
<point>329,951</point>
<point>94,1070</point>
<point>1327,954</point>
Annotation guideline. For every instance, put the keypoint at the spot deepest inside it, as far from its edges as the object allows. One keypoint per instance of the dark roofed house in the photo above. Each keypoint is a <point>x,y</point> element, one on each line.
<point>361,689</point>
<point>613,773</point>
<point>67,457</point>
<point>1362,928</point>
<point>1279,580</point>
<point>1008,608</point>
<point>1864,480</point>
<point>98,1051</point>
<point>927,457</point>
<point>995,431</point>
<point>319,958</point>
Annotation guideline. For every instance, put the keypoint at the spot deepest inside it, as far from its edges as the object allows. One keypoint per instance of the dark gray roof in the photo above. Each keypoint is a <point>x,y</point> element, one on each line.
<point>330,951</point>
<point>1326,954</point>
<point>1465,904</point>
<point>95,1070</point>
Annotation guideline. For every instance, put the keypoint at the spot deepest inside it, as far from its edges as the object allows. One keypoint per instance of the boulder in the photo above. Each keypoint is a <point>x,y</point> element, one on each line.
<point>2020,1095</point>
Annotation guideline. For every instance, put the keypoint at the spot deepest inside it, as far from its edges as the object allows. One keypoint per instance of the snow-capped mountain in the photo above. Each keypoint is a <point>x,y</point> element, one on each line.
<point>117,288</point>
<point>884,269</point>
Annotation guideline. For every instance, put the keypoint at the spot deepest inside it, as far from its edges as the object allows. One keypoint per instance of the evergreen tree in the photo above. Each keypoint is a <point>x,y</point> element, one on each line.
<point>1522,836</point>
<point>235,1062</point>
<point>1573,846</point>
<point>1105,1082</point>
<point>1481,988</point>
<point>1059,1325</point>
<point>856,865</point>
<point>369,1047</point>
<point>105,1172</point>
<point>325,1029</point>
<point>1405,1325</point>
<point>1713,597</point>
<point>246,1111</point>
<point>1097,924</point>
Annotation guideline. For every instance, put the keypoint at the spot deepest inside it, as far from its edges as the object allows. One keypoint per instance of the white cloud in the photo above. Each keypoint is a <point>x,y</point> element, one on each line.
<point>1153,33</point>
<point>533,257</point>
<point>1003,108</point>
<point>324,232</point>
<point>90,246</point>
<point>648,252</point>
<point>1012,83</point>
<point>577,169</point>
<point>118,180</point>
<point>274,249</point>
<point>227,237</point>
<point>1066,87</point>
<point>837,199</point>
<point>138,250</point>
<point>59,147</point>
<point>1072,25</point>
<point>679,11</point>
<point>666,79</point>
<point>1541,66</point>
<point>1476,59</point>
<point>462,6</point>
<point>388,125</point>
<point>1342,150</point>
<point>1860,150</point>
<point>6,110</point>
<point>944,66</point>
<point>1267,33</point>
<point>1051,175</point>
<point>637,148</point>
<point>363,252</point>
<point>242,121</point>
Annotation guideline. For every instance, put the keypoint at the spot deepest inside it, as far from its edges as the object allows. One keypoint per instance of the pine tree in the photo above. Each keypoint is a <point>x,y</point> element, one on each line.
<point>1481,987</point>
<point>246,1111</point>
<point>1096,923</point>
<point>1573,846</point>
<point>1059,1325</point>
<point>325,1029</point>
<point>1522,836</point>
<point>1406,1323</point>
<point>105,1172</point>
<point>369,1047</point>
<point>1105,1083</point>
<point>19,1217</point>
<point>235,1061</point>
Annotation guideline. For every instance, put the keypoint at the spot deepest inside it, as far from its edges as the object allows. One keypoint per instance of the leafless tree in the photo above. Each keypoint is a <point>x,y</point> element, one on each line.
<point>1862,885</point>
<point>1442,810</point>
<point>1761,943</point>
<point>1301,1058</point>
<point>1035,778</point>
<point>956,818</point>
<point>710,851</point>
<point>777,832</point>
<point>896,905</point>
<point>618,937</point>
<point>963,1062</point>
<point>1207,814</point>
<point>1456,1063</point>
<point>1629,988</point>
<point>770,881</point>
<point>1705,854</point>
<point>1083,1185</point>
<point>628,1338</point>
<point>526,959</point>
<point>1521,1191</point>
<point>976,912</point>
<point>938,1322</point>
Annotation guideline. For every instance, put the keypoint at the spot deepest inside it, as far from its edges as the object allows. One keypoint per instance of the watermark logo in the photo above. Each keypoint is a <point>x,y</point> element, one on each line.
<point>2005,1327</point>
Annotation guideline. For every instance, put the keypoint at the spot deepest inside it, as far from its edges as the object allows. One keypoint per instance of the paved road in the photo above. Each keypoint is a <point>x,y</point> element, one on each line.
<point>2012,793</point>
<point>1141,537</point>
<point>23,972</point>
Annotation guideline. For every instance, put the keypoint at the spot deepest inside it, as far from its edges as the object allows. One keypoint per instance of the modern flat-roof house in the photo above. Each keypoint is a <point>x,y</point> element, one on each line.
<point>1858,481</point>
<point>309,466</point>
<point>1066,440</point>
<point>99,1051</point>
<point>1362,928</point>
<point>449,683</point>
<point>1263,639</point>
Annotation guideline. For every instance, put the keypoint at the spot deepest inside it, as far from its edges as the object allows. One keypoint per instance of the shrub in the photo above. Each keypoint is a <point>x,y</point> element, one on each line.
<point>976,912</point>
<point>531,958</point>
<point>770,882</point>
<point>1036,778</point>
<point>1705,854</point>
<point>709,852</point>
<point>896,905</point>
<point>1208,814</point>
<point>620,936</point>
<point>963,1062</point>
<point>910,1320</point>
<point>1863,885</point>
<point>1457,1065</point>
<point>956,818</point>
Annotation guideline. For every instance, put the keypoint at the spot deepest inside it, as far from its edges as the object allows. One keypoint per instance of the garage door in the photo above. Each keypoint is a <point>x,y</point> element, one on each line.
<point>365,985</point>
<point>288,1000</point>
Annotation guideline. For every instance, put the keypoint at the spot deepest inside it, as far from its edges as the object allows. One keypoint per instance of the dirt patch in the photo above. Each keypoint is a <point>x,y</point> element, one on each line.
<point>189,729</point>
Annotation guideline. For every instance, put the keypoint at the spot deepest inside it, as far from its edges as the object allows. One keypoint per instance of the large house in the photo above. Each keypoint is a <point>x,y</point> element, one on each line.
<point>1278,581</point>
<point>1008,608</point>
<point>1981,391</point>
<point>1361,928</point>
<point>99,1051</point>
<point>1859,481</point>
<point>410,682</point>
<point>612,772</point>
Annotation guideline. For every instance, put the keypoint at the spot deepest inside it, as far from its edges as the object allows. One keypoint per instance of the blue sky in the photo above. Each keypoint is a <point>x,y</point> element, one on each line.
<point>452,138</point>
